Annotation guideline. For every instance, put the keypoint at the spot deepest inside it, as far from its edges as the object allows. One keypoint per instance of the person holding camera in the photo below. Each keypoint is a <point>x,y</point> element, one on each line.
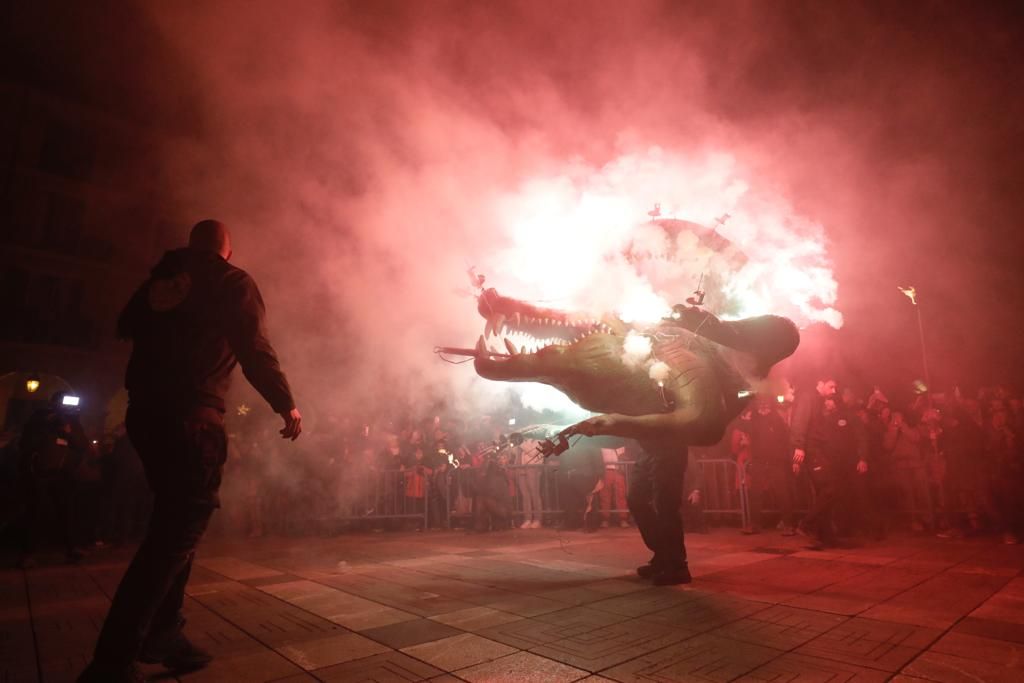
<point>52,447</point>
<point>191,322</point>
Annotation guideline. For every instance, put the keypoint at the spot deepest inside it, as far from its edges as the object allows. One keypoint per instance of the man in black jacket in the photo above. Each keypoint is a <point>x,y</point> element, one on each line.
<point>824,438</point>
<point>191,322</point>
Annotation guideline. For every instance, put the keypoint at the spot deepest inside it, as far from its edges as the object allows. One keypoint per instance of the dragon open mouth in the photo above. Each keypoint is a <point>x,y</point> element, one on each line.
<point>517,328</point>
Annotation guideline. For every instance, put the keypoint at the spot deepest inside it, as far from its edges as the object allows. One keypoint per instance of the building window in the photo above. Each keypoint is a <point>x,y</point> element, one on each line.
<point>62,230</point>
<point>67,152</point>
<point>45,309</point>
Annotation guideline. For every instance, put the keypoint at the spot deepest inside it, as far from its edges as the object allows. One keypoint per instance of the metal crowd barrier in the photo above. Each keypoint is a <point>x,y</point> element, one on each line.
<point>720,495</point>
<point>447,497</point>
<point>381,495</point>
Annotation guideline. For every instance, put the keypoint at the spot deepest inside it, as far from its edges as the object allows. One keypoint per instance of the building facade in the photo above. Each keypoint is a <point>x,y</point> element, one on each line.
<point>79,228</point>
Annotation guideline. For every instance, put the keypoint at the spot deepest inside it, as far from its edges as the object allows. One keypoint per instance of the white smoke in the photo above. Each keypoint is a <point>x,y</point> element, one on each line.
<point>660,372</point>
<point>636,349</point>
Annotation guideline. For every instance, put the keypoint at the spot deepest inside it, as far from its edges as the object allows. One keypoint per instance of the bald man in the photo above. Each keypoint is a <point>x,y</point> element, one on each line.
<point>190,323</point>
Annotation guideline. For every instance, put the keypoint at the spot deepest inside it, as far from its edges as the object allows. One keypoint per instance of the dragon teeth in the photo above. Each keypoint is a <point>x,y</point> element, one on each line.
<point>511,347</point>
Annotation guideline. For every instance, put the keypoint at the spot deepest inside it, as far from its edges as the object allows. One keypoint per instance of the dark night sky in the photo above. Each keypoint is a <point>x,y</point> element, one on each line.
<point>896,125</point>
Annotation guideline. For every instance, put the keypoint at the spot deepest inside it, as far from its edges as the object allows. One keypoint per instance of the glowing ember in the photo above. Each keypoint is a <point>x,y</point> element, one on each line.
<point>660,372</point>
<point>910,293</point>
<point>636,349</point>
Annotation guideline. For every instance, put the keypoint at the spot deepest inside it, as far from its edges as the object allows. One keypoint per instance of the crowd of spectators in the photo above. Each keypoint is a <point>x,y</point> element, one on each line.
<point>949,465</point>
<point>946,464</point>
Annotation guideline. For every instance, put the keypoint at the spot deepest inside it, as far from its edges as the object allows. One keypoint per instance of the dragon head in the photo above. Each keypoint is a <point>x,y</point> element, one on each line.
<point>588,358</point>
<point>577,353</point>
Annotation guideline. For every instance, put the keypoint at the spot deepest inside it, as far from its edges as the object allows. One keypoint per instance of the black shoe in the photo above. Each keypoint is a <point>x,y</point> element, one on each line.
<point>672,577</point>
<point>176,652</point>
<point>646,571</point>
<point>97,674</point>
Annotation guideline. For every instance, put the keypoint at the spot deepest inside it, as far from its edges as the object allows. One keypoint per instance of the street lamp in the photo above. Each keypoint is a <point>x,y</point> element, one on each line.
<point>32,384</point>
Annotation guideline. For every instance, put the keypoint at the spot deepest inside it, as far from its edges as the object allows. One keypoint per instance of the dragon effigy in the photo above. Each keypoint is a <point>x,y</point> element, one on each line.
<point>668,385</point>
<point>697,375</point>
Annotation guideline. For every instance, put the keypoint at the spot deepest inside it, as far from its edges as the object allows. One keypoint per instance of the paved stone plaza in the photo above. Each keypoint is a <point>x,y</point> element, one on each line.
<point>544,606</point>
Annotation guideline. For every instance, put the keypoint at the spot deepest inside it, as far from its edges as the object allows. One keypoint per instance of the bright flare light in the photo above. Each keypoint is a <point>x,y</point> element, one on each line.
<point>573,240</point>
<point>568,238</point>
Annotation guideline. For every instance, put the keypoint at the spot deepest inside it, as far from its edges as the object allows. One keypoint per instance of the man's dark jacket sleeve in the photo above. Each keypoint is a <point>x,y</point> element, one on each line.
<point>803,409</point>
<point>247,336</point>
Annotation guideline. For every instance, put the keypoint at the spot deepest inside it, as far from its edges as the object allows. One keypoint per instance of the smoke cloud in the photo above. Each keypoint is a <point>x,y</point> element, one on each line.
<point>367,154</point>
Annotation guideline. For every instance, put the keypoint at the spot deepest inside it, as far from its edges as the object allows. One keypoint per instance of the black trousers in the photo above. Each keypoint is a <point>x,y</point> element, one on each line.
<point>778,478</point>
<point>183,458</point>
<point>655,498</point>
<point>819,519</point>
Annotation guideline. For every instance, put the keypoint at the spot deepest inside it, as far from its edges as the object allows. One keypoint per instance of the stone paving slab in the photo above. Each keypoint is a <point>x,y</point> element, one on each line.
<point>780,627</point>
<point>646,601</point>
<point>269,620</point>
<point>217,635</point>
<point>401,597</point>
<point>525,633</point>
<point>795,668</point>
<point>459,652</point>
<point>704,658</point>
<point>525,605</point>
<point>236,569</point>
<point>873,644</point>
<point>862,591</point>
<point>709,611</point>
<point>600,647</point>
<point>519,668</point>
<point>350,611</point>
<point>757,591</point>
<point>259,667</point>
<point>936,666</point>
<point>1006,605</point>
<point>476,618</point>
<point>335,649</point>
<point>413,632</point>
<point>991,628</point>
<point>390,667</point>
<point>793,573</point>
<point>940,601</point>
<point>1002,652</point>
<point>553,606</point>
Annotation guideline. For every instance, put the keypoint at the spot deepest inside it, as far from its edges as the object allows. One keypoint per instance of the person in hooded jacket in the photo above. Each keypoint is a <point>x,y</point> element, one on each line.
<point>191,322</point>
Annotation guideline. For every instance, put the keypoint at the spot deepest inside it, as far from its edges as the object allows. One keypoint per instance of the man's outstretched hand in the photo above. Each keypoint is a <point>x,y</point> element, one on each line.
<point>292,424</point>
<point>594,426</point>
